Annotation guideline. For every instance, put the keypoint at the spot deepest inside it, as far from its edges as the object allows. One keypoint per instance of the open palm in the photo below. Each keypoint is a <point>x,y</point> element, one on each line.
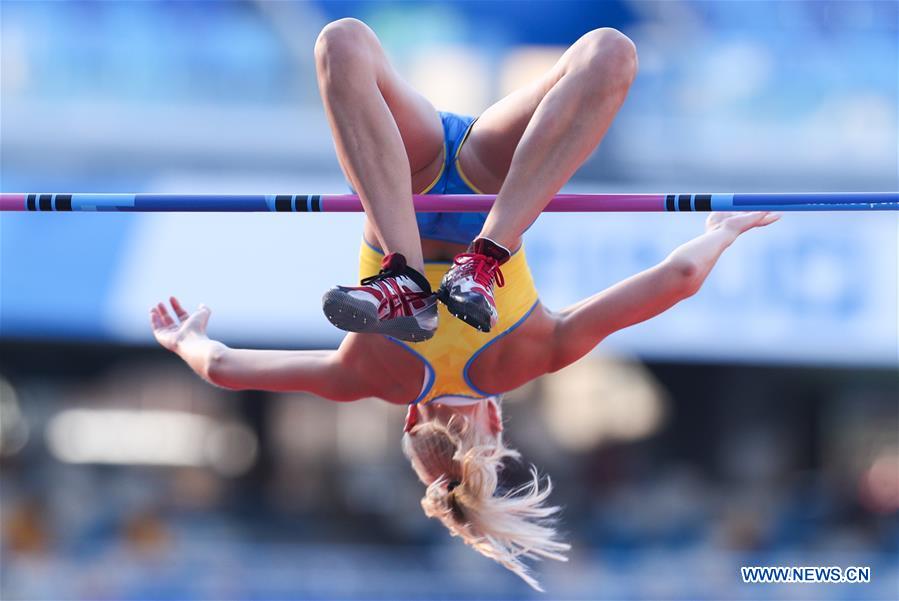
<point>740,222</point>
<point>170,332</point>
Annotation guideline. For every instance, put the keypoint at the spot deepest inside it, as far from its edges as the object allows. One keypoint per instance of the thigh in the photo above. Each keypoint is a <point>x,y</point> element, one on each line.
<point>351,46</point>
<point>486,155</point>
<point>420,128</point>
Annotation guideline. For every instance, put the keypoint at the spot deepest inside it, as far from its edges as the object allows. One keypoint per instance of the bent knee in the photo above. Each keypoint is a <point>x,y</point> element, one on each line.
<point>344,43</point>
<point>610,52</point>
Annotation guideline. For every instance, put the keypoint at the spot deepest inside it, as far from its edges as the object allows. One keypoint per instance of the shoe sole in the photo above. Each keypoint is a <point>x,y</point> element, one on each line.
<point>354,315</point>
<point>479,319</point>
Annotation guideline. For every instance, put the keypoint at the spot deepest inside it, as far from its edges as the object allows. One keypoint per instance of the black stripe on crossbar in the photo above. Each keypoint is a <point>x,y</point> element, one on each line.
<point>63,202</point>
<point>703,202</point>
<point>683,202</point>
<point>669,202</point>
<point>302,203</point>
<point>317,203</point>
<point>29,202</point>
<point>282,202</point>
<point>44,202</point>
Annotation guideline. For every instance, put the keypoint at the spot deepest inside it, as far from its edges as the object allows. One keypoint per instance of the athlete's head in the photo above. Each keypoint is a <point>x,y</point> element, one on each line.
<point>457,452</point>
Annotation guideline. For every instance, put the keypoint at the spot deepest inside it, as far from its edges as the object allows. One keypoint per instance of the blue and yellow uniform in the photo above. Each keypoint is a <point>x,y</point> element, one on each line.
<point>449,354</point>
<point>460,228</point>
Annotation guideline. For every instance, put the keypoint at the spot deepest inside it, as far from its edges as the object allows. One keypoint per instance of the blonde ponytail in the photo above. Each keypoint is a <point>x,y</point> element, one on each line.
<point>461,471</point>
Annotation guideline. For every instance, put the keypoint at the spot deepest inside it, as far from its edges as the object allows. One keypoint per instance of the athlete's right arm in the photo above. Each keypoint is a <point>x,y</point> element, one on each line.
<point>581,327</point>
<point>318,372</point>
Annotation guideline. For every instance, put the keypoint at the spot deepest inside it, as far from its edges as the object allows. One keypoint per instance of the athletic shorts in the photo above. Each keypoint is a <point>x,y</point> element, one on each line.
<point>460,228</point>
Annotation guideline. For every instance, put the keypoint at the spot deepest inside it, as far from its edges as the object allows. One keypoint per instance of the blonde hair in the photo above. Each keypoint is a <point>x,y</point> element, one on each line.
<point>460,468</point>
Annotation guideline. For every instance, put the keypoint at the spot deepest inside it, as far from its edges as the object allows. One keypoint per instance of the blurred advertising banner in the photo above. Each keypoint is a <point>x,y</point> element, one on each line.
<point>810,288</point>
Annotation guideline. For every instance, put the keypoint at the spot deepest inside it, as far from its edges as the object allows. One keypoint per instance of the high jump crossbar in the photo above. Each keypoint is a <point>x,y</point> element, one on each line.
<point>459,203</point>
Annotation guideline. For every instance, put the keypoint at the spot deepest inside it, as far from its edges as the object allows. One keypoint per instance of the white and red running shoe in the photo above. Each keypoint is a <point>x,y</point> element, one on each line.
<point>467,288</point>
<point>397,302</point>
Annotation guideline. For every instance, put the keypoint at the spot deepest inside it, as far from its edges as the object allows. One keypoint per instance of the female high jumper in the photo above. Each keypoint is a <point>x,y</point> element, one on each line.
<point>451,354</point>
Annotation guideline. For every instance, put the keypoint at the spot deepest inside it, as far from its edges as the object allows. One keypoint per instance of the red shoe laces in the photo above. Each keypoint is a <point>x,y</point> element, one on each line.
<point>398,301</point>
<point>485,270</point>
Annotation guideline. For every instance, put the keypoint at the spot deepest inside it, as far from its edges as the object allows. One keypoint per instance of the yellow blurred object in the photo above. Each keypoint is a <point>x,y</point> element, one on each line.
<point>146,532</point>
<point>26,529</point>
<point>600,399</point>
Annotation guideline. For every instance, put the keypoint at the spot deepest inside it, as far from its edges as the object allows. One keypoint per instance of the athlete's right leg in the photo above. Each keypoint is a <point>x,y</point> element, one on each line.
<point>389,139</point>
<point>387,135</point>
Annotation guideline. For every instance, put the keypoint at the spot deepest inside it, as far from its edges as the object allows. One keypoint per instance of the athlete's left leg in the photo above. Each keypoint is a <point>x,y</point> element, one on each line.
<point>525,147</point>
<point>529,144</point>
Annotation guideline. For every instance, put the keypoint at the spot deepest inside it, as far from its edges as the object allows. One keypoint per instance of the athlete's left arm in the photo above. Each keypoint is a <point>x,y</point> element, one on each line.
<point>579,328</point>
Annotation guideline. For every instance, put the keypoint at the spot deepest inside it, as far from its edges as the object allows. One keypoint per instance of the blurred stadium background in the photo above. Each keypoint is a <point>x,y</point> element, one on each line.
<point>757,424</point>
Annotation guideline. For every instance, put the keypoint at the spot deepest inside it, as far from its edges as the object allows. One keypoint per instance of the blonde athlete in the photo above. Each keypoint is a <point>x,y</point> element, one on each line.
<point>391,141</point>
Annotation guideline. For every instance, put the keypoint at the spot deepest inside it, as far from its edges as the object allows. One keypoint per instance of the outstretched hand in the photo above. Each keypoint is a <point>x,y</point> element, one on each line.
<point>170,332</point>
<point>740,222</point>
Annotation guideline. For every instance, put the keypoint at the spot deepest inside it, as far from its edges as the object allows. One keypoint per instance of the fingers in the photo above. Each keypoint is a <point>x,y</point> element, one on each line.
<point>748,221</point>
<point>742,222</point>
<point>155,319</point>
<point>770,218</point>
<point>204,312</point>
<point>179,310</point>
<point>755,218</point>
<point>161,319</point>
<point>758,219</point>
<point>167,320</point>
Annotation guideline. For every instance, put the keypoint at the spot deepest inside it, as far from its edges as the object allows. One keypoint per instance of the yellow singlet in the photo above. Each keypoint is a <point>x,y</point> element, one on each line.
<point>448,355</point>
